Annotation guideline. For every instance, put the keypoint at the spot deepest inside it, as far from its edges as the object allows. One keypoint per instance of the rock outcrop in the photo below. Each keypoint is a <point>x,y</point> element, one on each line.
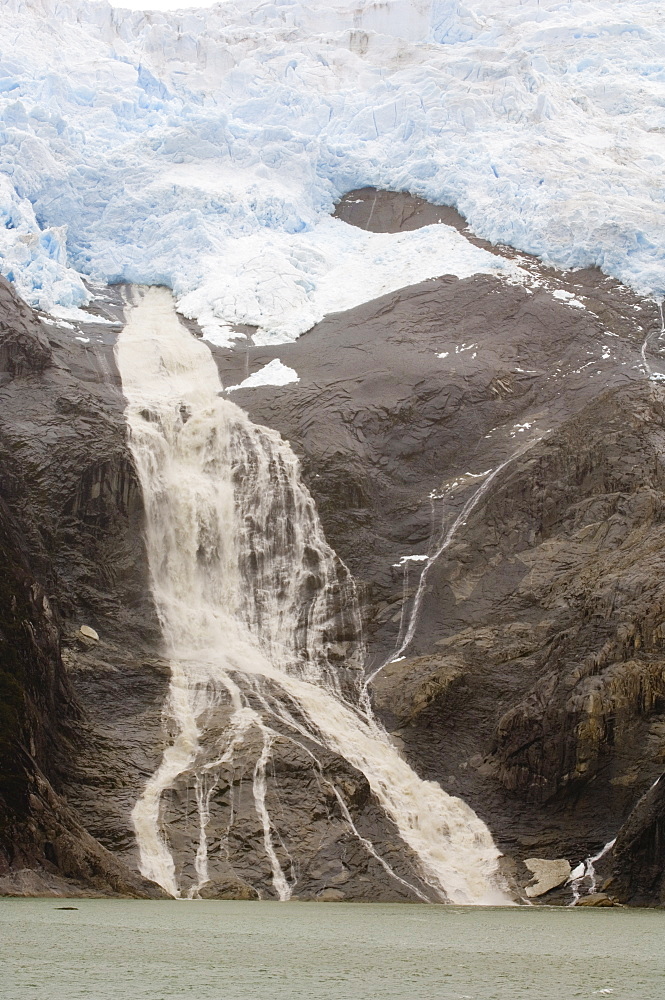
<point>75,509</point>
<point>66,492</point>
<point>637,870</point>
<point>491,455</point>
<point>532,683</point>
<point>596,899</point>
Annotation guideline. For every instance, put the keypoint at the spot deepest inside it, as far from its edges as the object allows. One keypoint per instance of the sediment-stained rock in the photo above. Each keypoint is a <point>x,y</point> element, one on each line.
<point>596,899</point>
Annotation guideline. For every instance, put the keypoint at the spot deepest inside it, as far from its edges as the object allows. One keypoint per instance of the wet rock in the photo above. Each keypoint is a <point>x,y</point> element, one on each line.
<point>35,884</point>
<point>533,683</point>
<point>71,549</point>
<point>311,837</point>
<point>330,896</point>
<point>547,875</point>
<point>596,899</point>
<point>637,857</point>
<point>69,480</point>
<point>24,345</point>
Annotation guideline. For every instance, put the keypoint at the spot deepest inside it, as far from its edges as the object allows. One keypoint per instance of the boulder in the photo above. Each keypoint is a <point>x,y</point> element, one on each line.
<point>547,875</point>
<point>596,899</point>
<point>331,896</point>
<point>230,887</point>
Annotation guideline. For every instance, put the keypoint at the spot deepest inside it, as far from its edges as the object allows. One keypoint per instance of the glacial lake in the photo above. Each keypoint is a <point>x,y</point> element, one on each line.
<point>209,950</point>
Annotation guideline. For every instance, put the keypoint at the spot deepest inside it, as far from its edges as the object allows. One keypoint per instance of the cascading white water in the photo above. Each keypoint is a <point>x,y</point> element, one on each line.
<point>252,603</point>
<point>586,872</point>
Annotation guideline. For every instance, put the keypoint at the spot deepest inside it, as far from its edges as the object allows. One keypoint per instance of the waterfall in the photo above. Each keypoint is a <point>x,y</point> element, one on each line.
<point>586,870</point>
<point>444,542</point>
<point>259,618</point>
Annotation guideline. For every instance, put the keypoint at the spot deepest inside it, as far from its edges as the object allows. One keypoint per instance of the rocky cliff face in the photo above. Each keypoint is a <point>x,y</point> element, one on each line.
<point>514,435</point>
<point>636,863</point>
<point>69,557</point>
<point>533,681</point>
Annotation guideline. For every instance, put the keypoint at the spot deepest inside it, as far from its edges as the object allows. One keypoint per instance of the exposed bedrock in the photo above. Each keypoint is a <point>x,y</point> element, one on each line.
<point>532,684</point>
<point>70,518</point>
<point>636,870</point>
<point>313,841</point>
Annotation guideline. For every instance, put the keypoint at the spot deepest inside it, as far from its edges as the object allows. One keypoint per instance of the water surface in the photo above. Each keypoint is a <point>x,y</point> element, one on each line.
<point>214,950</point>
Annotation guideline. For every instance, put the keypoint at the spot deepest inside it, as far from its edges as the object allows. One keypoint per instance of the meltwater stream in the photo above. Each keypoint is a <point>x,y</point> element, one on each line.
<point>253,601</point>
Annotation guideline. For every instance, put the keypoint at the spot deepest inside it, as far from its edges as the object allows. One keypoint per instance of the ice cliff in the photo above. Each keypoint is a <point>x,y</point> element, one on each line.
<point>205,149</point>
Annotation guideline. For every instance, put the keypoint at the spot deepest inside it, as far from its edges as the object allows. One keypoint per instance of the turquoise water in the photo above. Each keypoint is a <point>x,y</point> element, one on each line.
<point>207,950</point>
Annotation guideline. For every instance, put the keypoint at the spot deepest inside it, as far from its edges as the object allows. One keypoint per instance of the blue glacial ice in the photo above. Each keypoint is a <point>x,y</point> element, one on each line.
<point>205,149</point>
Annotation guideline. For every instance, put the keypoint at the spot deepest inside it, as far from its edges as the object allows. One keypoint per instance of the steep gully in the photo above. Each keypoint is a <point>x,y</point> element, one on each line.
<point>531,685</point>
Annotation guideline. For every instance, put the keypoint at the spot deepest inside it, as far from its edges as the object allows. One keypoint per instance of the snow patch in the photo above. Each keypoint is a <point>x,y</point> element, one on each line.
<point>520,428</point>
<point>274,373</point>
<point>407,559</point>
<point>569,298</point>
<point>79,316</point>
<point>285,283</point>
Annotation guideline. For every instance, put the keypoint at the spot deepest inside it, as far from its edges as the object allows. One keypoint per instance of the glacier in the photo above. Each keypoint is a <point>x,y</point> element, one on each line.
<point>205,149</point>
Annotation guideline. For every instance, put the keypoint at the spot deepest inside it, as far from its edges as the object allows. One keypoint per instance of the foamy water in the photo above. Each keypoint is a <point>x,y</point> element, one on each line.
<point>250,598</point>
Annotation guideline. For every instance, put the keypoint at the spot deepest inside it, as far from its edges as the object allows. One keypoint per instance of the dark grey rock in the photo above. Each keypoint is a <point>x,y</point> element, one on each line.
<point>637,861</point>
<point>24,346</point>
<point>533,685</point>
<point>70,516</point>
